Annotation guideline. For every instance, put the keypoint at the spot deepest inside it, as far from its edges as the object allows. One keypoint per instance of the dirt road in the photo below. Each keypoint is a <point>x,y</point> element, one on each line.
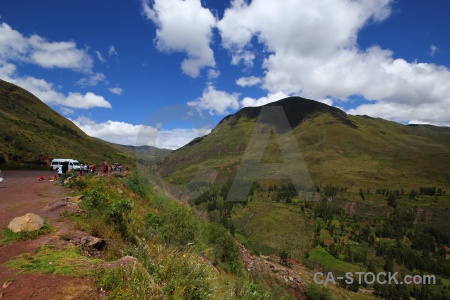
<point>21,193</point>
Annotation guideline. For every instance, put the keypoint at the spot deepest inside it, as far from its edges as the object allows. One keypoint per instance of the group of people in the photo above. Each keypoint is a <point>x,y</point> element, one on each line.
<point>85,168</point>
<point>115,168</point>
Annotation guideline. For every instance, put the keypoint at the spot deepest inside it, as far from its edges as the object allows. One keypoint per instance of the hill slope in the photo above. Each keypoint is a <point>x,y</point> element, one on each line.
<point>344,150</point>
<point>30,131</point>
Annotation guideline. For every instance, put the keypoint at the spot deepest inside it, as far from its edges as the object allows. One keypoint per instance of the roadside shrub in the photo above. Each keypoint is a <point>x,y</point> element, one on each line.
<point>126,283</point>
<point>316,292</point>
<point>118,211</point>
<point>248,289</point>
<point>138,184</point>
<point>224,248</point>
<point>96,200</point>
<point>182,275</point>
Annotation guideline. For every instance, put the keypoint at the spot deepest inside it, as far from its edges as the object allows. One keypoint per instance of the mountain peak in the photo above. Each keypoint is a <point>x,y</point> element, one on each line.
<point>296,109</point>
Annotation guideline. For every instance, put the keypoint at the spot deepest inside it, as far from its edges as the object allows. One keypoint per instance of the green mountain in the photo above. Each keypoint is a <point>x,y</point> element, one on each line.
<point>344,150</point>
<point>383,201</point>
<point>32,132</point>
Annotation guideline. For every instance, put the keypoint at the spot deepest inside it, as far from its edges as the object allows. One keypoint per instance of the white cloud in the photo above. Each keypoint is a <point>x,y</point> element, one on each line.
<point>127,134</point>
<point>311,50</point>
<point>183,26</point>
<point>248,81</point>
<point>14,47</point>
<point>247,101</point>
<point>37,50</point>
<point>216,102</point>
<point>178,137</point>
<point>213,74</point>
<point>67,111</point>
<point>426,113</point>
<point>45,91</point>
<point>111,131</point>
<point>116,90</point>
<point>433,50</point>
<point>88,100</point>
<point>246,57</point>
<point>112,51</point>
<point>92,80</point>
<point>100,56</point>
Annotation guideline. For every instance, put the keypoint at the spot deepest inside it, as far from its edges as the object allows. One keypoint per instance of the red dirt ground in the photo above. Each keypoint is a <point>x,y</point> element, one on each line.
<point>21,193</point>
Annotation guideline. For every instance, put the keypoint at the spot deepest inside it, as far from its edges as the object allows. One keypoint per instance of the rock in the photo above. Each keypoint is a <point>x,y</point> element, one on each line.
<point>75,199</point>
<point>28,222</point>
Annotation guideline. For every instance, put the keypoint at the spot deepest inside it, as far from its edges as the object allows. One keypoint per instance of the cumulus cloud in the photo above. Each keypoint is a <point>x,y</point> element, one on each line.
<point>15,48</point>
<point>183,26</point>
<point>127,134</point>
<point>88,100</point>
<point>213,74</point>
<point>216,102</point>
<point>248,101</point>
<point>45,91</point>
<point>111,131</point>
<point>425,113</point>
<point>37,50</point>
<point>311,50</point>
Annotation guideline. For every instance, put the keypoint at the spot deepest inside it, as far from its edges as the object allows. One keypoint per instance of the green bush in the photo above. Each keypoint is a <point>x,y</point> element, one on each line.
<point>138,184</point>
<point>95,200</point>
<point>316,292</point>
<point>126,283</point>
<point>224,248</point>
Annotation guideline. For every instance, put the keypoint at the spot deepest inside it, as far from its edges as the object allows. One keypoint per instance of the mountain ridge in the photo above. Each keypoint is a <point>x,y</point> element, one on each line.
<point>31,131</point>
<point>330,140</point>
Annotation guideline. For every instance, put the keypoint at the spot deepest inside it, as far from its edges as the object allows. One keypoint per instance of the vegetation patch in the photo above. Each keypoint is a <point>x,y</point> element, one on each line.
<point>7,236</point>
<point>59,261</point>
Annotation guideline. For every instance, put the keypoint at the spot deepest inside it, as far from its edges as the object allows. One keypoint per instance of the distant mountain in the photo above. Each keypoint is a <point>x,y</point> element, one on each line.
<point>348,151</point>
<point>148,150</point>
<point>145,155</point>
<point>30,131</point>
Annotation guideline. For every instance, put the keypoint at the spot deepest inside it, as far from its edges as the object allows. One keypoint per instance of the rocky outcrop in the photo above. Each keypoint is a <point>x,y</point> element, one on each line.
<point>28,222</point>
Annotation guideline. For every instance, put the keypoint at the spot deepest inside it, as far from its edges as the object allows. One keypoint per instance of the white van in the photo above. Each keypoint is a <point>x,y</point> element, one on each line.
<point>73,164</point>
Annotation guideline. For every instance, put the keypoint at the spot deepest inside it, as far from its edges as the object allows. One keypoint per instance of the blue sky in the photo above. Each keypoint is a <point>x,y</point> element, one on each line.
<point>111,66</point>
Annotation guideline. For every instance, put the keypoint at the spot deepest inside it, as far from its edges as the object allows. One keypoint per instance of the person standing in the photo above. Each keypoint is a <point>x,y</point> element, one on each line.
<point>64,168</point>
<point>105,169</point>
<point>59,171</point>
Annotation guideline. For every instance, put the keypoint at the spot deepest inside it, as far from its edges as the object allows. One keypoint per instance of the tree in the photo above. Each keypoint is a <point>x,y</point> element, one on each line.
<point>413,195</point>
<point>284,258</point>
<point>361,193</point>
<point>392,200</point>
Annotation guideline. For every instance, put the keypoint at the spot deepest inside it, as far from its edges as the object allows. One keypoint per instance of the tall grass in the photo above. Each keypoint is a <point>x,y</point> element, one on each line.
<point>182,256</point>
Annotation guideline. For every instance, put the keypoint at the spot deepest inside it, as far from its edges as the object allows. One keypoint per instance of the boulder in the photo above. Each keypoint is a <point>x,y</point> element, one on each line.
<point>28,222</point>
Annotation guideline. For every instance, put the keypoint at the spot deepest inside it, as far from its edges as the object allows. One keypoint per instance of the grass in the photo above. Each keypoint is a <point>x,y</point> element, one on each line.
<point>66,261</point>
<point>329,262</point>
<point>269,227</point>
<point>7,236</point>
<point>31,130</point>
<point>184,256</point>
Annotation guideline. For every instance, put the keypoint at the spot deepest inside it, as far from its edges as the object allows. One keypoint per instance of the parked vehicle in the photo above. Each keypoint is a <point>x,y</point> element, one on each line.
<point>73,163</point>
